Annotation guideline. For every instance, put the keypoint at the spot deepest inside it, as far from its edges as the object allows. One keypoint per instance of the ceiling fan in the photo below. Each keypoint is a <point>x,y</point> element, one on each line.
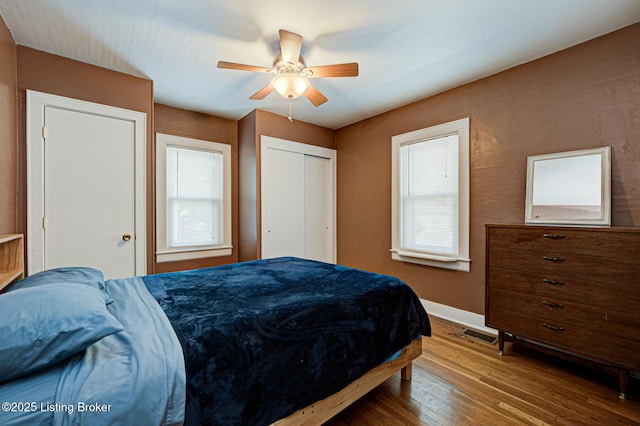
<point>292,74</point>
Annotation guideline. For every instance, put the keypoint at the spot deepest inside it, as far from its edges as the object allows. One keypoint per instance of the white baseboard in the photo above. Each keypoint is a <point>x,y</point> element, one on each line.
<point>469,319</point>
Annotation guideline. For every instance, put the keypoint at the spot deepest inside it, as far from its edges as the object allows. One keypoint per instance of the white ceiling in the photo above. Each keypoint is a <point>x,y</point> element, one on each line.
<point>407,49</point>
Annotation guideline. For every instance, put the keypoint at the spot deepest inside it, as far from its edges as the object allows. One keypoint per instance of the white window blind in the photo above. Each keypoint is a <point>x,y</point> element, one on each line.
<point>429,196</point>
<point>194,197</point>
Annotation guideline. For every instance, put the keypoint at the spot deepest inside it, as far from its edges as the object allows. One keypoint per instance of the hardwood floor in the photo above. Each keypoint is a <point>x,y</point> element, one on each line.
<point>463,381</point>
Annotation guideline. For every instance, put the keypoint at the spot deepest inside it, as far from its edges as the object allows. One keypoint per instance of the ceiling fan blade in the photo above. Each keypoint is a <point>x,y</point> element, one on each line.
<point>242,67</point>
<point>260,94</point>
<point>337,70</point>
<point>290,46</point>
<point>315,96</point>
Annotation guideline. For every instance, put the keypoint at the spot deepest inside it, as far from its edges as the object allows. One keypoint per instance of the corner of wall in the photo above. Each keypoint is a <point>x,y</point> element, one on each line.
<point>247,197</point>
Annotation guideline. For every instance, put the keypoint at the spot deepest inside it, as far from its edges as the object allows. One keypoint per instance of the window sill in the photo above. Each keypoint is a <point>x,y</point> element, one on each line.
<point>175,255</point>
<point>453,263</point>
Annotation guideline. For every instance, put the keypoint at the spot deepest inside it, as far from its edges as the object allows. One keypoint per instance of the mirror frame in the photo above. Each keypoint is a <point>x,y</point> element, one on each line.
<point>605,189</point>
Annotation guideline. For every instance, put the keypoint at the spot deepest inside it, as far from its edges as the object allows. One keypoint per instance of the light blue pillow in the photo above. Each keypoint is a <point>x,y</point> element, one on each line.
<point>42,325</point>
<point>75,274</point>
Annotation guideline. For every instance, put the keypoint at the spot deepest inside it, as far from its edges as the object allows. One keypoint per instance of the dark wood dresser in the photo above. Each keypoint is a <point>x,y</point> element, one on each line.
<point>571,289</point>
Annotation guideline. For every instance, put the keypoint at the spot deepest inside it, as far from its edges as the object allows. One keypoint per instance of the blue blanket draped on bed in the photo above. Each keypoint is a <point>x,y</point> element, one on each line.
<point>262,339</point>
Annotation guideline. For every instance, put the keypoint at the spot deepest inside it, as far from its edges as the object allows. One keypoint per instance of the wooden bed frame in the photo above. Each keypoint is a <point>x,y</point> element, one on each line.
<point>322,411</point>
<point>12,268</point>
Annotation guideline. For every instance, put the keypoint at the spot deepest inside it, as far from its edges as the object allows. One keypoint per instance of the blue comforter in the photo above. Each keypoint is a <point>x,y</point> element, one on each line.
<point>262,339</point>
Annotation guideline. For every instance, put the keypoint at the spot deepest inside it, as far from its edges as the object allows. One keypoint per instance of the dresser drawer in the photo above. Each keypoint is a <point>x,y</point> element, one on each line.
<point>613,324</point>
<point>604,242</point>
<point>608,269</point>
<point>586,342</point>
<point>615,296</point>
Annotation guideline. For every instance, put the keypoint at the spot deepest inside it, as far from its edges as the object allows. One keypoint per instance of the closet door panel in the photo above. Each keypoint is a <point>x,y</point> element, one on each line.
<point>317,208</point>
<point>284,204</point>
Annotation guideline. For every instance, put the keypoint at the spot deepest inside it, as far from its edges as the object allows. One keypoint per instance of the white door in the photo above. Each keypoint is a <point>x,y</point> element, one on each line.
<point>283,200</point>
<point>87,179</point>
<point>298,200</point>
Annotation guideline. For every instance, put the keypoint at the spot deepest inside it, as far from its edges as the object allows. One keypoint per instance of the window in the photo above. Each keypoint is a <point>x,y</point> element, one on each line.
<point>193,201</point>
<point>430,196</point>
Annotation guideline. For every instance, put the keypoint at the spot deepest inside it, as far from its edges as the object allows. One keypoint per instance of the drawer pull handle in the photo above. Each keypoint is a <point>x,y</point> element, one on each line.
<point>553,259</point>
<point>554,236</point>
<point>552,305</point>
<point>552,282</point>
<point>553,327</point>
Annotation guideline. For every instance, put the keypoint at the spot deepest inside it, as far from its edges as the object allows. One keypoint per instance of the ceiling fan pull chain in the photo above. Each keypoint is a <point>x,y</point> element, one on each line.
<point>290,117</point>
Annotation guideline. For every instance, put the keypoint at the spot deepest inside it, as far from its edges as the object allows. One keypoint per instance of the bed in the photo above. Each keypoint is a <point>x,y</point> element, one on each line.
<point>278,341</point>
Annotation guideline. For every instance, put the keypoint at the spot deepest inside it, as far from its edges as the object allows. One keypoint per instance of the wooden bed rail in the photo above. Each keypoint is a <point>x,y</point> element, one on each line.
<point>322,411</point>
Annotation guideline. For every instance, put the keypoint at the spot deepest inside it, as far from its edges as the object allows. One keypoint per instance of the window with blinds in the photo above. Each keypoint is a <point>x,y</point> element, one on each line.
<point>193,198</point>
<point>430,196</point>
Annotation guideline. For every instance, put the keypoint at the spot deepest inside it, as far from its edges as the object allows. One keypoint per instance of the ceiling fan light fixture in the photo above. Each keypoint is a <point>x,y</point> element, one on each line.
<point>290,85</point>
<point>292,72</point>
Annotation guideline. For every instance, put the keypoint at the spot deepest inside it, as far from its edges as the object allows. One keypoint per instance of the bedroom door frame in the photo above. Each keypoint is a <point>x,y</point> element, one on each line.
<point>37,102</point>
<point>269,142</point>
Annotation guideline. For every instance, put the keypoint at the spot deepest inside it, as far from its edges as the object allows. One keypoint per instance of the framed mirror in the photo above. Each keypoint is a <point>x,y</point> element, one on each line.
<point>569,188</point>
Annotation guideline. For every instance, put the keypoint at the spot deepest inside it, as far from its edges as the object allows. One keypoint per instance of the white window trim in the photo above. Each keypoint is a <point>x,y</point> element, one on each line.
<point>164,253</point>
<point>462,261</point>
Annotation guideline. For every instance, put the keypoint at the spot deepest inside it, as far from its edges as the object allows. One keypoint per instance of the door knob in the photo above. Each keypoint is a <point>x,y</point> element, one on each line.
<point>126,237</point>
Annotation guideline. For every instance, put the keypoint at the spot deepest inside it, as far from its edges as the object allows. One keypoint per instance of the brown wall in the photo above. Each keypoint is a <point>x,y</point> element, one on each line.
<point>250,128</point>
<point>8,129</point>
<point>586,96</point>
<point>248,217</point>
<point>53,74</point>
<point>179,122</point>
<point>278,126</point>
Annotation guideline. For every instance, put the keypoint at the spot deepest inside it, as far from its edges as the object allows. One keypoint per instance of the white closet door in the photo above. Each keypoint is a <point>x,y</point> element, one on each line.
<point>284,204</point>
<point>317,208</point>
<point>298,200</point>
